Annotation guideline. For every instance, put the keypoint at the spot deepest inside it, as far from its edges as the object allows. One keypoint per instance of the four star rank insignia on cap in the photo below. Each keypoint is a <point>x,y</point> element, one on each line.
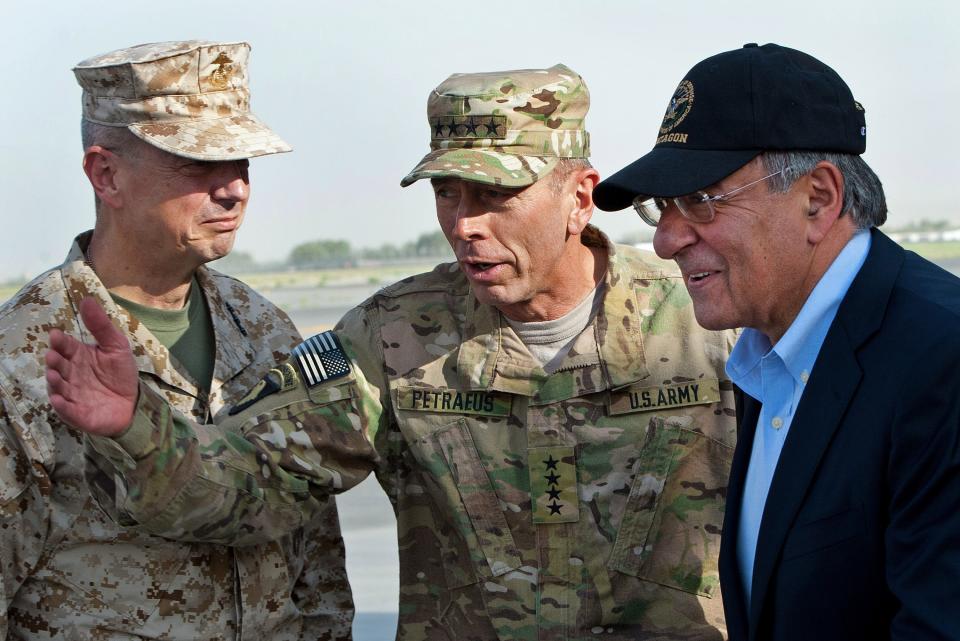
<point>321,358</point>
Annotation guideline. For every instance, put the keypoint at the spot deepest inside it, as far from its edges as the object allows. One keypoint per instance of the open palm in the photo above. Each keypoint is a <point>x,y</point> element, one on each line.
<point>93,387</point>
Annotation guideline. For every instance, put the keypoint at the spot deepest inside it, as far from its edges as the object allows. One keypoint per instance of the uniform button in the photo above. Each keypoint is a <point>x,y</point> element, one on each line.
<point>804,376</point>
<point>777,422</point>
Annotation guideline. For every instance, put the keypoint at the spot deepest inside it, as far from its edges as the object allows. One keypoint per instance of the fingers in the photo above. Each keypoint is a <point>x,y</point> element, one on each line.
<point>63,344</point>
<point>101,327</point>
<point>56,385</point>
<point>56,362</point>
<point>60,405</point>
<point>57,389</point>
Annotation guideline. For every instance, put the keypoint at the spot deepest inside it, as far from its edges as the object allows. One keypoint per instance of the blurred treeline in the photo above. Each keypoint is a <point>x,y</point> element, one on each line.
<point>336,253</point>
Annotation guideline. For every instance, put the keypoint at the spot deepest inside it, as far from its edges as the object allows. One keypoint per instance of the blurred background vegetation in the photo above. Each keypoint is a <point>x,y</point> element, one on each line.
<point>335,263</point>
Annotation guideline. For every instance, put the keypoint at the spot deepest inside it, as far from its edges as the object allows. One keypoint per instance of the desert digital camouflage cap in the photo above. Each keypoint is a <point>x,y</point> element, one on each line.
<point>189,98</point>
<point>505,127</point>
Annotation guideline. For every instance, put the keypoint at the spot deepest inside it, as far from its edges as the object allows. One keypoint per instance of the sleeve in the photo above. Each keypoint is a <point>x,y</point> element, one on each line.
<point>24,512</point>
<point>923,531</point>
<point>322,591</point>
<point>263,472</point>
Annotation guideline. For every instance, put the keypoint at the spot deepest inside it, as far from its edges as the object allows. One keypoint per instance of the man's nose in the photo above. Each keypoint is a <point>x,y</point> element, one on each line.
<point>471,221</point>
<point>674,233</point>
<point>233,182</point>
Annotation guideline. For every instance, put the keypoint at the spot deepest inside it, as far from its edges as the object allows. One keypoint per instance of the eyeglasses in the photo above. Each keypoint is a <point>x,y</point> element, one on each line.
<point>698,206</point>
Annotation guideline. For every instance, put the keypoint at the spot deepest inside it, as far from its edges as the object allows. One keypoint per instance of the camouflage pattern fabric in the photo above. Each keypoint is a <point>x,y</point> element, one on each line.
<point>632,436</point>
<point>189,98</point>
<point>67,571</point>
<point>505,127</point>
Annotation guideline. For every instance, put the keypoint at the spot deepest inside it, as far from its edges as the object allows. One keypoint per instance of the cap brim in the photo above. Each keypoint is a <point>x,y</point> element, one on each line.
<point>667,172</point>
<point>230,138</point>
<point>482,166</point>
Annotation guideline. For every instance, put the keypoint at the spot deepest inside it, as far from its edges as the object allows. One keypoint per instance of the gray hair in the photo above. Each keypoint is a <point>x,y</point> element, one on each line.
<point>116,139</point>
<point>863,196</point>
<point>565,167</point>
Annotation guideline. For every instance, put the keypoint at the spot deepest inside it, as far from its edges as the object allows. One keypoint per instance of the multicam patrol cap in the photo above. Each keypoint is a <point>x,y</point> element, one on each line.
<point>505,127</point>
<point>188,98</point>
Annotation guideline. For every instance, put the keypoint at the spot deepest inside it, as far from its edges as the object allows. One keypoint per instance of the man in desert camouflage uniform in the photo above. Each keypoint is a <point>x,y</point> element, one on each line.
<point>167,133</point>
<point>552,427</point>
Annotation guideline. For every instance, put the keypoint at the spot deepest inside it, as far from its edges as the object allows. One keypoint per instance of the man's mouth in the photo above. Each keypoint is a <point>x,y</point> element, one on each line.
<point>224,223</point>
<point>696,277</point>
<point>481,270</point>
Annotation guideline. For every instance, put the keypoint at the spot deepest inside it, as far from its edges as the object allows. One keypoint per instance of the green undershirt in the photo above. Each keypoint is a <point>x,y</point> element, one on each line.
<point>186,333</point>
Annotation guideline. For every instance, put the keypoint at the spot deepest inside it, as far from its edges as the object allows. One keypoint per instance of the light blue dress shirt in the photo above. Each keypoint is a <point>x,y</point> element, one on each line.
<point>776,376</point>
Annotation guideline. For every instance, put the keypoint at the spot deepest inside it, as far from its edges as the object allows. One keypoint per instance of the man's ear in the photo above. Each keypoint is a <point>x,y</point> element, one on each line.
<point>584,181</point>
<point>100,165</point>
<point>825,198</point>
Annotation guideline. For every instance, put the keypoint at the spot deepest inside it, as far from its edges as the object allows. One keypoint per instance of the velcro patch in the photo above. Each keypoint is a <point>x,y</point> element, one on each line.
<point>469,127</point>
<point>280,379</point>
<point>430,399</point>
<point>648,399</point>
<point>553,484</point>
<point>321,358</point>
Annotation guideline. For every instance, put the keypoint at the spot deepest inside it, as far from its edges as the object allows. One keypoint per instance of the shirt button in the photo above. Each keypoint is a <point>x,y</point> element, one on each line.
<point>804,376</point>
<point>777,422</point>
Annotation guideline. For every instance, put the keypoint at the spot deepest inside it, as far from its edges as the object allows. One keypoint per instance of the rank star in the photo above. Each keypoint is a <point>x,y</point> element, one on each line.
<point>554,507</point>
<point>551,463</point>
<point>438,132</point>
<point>552,478</point>
<point>554,494</point>
<point>471,127</point>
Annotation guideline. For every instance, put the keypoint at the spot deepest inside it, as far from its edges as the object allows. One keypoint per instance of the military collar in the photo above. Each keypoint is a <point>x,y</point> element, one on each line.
<point>232,348</point>
<point>487,358</point>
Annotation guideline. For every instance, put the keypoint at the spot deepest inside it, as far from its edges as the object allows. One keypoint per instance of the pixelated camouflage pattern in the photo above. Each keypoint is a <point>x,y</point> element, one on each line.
<point>190,98</point>
<point>640,560</point>
<point>505,127</point>
<point>67,571</point>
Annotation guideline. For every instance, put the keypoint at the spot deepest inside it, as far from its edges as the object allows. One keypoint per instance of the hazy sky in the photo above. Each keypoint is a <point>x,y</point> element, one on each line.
<point>346,85</point>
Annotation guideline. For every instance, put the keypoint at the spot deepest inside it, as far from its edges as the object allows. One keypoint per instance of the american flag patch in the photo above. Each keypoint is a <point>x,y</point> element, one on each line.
<point>320,358</point>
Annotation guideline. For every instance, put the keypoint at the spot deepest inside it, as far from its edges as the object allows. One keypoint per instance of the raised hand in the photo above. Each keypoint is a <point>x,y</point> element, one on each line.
<point>93,387</point>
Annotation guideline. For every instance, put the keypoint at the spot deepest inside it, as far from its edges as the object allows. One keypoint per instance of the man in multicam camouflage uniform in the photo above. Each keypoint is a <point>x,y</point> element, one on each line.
<point>552,427</point>
<point>167,132</point>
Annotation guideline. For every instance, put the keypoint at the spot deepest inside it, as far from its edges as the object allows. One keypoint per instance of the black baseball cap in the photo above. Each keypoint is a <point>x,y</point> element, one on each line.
<point>730,108</point>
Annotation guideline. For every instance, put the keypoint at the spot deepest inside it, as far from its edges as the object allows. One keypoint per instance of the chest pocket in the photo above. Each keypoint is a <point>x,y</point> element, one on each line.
<point>670,532</point>
<point>456,479</point>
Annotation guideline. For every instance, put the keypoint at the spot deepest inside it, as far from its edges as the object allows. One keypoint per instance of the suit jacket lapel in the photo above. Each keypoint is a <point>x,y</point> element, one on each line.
<point>748,411</point>
<point>833,382</point>
<point>835,378</point>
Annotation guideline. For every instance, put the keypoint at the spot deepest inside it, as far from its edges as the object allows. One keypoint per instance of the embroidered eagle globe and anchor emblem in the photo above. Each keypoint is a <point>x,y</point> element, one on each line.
<point>220,77</point>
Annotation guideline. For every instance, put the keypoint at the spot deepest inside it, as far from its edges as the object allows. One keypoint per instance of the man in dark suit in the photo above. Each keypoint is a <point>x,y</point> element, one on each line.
<point>843,512</point>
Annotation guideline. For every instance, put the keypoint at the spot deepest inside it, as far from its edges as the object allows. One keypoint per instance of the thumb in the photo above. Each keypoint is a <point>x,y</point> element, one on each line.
<point>106,334</point>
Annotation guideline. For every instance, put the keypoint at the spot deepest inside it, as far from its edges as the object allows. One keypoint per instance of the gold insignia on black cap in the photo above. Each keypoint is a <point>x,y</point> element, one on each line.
<point>680,104</point>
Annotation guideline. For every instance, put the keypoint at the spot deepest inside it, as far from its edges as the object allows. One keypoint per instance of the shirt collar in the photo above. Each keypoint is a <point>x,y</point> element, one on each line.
<point>799,346</point>
<point>482,357</point>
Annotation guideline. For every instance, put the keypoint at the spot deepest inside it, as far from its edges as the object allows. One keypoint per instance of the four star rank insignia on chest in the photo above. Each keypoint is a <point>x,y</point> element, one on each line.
<point>553,484</point>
